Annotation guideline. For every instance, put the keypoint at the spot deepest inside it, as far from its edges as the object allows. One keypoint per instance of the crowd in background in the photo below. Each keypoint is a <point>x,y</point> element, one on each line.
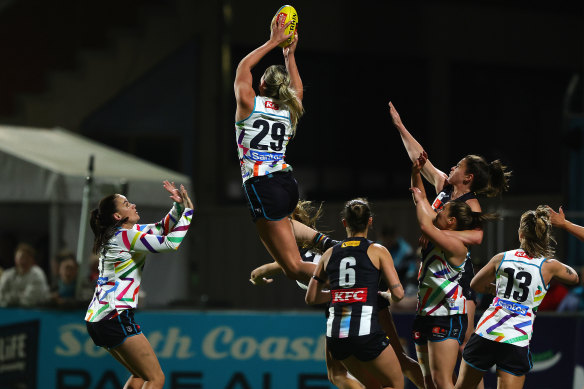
<point>25,282</point>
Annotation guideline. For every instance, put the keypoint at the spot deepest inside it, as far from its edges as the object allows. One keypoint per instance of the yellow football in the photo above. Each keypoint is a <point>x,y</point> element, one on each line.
<point>288,14</point>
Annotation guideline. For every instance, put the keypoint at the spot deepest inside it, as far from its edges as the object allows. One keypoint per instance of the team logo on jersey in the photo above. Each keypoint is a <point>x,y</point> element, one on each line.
<point>349,295</point>
<point>272,105</point>
<point>129,329</point>
<point>351,243</point>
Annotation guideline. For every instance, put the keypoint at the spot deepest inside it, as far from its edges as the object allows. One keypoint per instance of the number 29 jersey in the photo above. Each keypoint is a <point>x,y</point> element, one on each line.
<point>353,284</point>
<point>520,290</point>
<point>262,138</point>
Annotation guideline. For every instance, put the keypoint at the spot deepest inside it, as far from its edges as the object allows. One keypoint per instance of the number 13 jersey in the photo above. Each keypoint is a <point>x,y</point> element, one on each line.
<point>262,138</point>
<point>520,290</point>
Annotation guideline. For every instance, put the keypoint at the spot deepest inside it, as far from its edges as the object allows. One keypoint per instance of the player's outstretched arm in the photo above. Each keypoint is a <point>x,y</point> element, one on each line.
<point>414,149</point>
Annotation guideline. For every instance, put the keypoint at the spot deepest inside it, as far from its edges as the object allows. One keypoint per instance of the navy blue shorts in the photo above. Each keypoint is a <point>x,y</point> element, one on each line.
<point>364,348</point>
<point>481,354</point>
<point>273,196</point>
<point>439,328</point>
<point>113,332</point>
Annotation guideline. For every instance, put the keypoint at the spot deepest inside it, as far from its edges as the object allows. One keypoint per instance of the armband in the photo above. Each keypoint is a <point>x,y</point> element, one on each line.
<point>318,279</point>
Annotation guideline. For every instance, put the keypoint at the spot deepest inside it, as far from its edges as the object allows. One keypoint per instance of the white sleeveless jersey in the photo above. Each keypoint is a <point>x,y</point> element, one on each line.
<point>439,291</point>
<point>262,138</point>
<point>520,290</point>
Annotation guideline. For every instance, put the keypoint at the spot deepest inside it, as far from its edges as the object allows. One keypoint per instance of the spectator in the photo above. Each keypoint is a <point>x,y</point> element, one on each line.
<point>64,293</point>
<point>25,284</point>
<point>399,249</point>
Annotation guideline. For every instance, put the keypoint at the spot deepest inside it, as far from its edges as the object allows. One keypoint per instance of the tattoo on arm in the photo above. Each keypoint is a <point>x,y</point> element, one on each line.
<point>394,286</point>
<point>569,271</point>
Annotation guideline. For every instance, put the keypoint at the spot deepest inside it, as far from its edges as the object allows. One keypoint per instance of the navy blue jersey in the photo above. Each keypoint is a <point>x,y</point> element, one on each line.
<point>446,196</point>
<point>354,284</point>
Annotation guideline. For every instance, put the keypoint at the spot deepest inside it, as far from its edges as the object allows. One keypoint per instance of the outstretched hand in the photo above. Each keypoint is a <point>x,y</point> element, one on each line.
<point>278,31</point>
<point>418,195</point>
<point>187,200</point>
<point>419,163</point>
<point>174,192</point>
<point>291,48</point>
<point>394,115</point>
<point>558,219</point>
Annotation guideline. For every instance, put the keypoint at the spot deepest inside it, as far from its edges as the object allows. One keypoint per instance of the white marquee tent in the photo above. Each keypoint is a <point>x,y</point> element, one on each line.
<point>45,170</point>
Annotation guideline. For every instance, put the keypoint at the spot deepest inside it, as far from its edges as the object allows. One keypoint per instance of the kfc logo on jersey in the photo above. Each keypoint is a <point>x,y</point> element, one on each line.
<point>272,105</point>
<point>522,254</point>
<point>349,295</point>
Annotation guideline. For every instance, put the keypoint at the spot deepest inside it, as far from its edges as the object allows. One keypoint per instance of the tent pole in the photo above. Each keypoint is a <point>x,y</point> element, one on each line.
<point>83,259</point>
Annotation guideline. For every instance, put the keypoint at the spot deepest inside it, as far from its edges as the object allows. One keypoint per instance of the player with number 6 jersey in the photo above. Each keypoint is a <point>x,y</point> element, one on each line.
<point>522,279</point>
<point>352,270</point>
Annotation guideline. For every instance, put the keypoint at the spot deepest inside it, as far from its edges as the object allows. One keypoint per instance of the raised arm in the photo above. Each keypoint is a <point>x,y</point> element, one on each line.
<point>558,220</point>
<point>168,223</point>
<point>244,92</point>
<point>453,247</point>
<point>289,58</point>
<point>136,240</point>
<point>434,176</point>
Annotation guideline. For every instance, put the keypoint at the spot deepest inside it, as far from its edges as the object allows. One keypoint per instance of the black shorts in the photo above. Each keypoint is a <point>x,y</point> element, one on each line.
<point>364,348</point>
<point>481,354</point>
<point>113,332</point>
<point>439,328</point>
<point>273,196</point>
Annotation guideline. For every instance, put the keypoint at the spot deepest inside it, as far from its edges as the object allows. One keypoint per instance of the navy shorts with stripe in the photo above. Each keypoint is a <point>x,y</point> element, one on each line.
<point>113,332</point>
<point>273,196</point>
<point>439,328</point>
<point>481,354</point>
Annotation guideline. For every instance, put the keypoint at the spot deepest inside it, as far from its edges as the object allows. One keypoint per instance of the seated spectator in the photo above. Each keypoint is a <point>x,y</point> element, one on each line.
<point>25,284</point>
<point>64,293</point>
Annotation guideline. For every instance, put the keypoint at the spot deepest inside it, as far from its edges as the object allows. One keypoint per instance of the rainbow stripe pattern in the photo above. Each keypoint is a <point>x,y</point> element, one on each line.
<point>121,265</point>
<point>520,290</point>
<point>439,293</point>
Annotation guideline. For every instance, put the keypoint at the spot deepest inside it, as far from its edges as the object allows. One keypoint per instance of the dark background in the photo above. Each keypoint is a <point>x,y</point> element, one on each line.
<point>155,78</point>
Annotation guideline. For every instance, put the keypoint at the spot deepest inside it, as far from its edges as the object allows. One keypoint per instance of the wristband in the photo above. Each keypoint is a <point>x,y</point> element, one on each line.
<point>318,279</point>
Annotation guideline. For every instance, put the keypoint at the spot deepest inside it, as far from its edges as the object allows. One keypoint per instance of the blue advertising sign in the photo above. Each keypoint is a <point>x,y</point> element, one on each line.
<point>195,349</point>
<point>230,350</point>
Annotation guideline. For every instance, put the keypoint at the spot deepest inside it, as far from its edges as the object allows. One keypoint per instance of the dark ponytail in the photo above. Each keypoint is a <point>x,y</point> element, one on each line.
<point>490,179</point>
<point>102,222</point>
<point>466,219</point>
<point>357,213</point>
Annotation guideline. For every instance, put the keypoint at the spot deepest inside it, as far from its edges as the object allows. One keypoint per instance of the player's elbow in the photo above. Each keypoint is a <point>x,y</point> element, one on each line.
<point>292,270</point>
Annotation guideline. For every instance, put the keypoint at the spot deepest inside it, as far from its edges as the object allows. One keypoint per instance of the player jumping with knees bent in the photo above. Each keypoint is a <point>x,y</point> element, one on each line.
<point>264,125</point>
<point>522,278</point>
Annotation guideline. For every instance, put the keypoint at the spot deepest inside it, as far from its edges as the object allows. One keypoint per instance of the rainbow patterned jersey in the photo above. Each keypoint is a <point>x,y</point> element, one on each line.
<point>520,290</point>
<point>262,138</point>
<point>439,290</point>
<point>122,261</point>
